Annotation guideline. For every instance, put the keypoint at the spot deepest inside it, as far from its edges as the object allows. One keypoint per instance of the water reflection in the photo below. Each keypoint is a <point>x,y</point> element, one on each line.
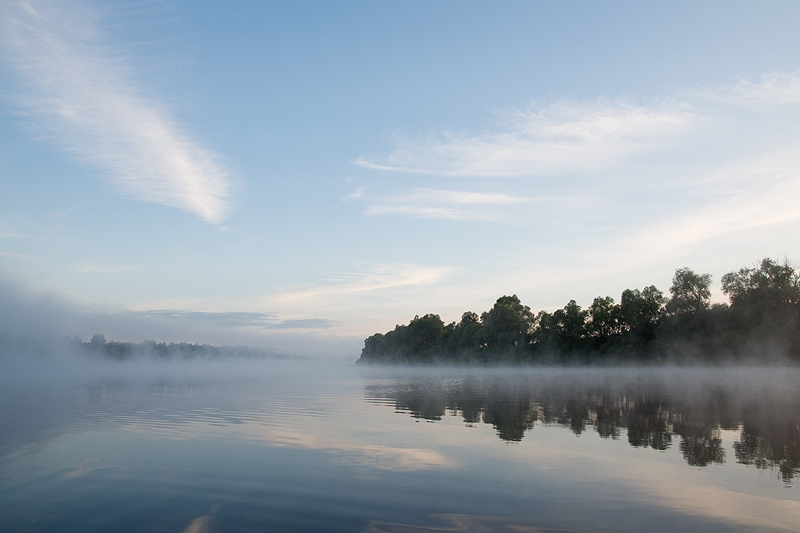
<point>298,449</point>
<point>651,409</point>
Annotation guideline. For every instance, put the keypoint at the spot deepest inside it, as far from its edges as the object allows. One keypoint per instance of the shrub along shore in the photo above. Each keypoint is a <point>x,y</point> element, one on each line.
<point>760,324</point>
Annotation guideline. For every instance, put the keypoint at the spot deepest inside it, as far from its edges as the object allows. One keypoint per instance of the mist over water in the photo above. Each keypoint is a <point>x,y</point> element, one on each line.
<point>285,445</point>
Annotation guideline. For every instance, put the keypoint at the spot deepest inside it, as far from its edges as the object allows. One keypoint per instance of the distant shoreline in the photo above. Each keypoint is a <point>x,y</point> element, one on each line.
<point>123,351</point>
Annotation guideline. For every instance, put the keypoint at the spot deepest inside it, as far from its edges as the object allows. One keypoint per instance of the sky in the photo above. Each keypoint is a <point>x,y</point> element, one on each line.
<point>300,175</point>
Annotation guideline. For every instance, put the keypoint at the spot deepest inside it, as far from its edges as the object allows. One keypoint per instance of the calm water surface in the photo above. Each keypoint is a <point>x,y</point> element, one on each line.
<point>298,447</point>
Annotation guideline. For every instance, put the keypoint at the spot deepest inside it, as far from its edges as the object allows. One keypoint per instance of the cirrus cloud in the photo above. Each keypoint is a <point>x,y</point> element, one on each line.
<point>73,87</point>
<point>562,137</point>
<point>437,203</point>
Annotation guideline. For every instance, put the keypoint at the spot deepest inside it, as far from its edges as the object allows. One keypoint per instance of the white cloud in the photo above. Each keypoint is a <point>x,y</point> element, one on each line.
<point>301,323</point>
<point>458,197</point>
<point>76,90</point>
<point>227,318</point>
<point>435,203</point>
<point>562,137</point>
<point>573,136</point>
<point>415,211</point>
<point>237,319</point>
<point>374,278</point>
<point>776,88</point>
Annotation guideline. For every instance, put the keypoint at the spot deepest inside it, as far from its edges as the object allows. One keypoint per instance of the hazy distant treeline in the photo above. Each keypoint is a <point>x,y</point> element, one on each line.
<point>761,323</point>
<point>121,351</point>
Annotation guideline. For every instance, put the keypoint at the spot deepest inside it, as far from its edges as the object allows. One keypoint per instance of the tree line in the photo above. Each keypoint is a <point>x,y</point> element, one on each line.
<point>123,351</point>
<point>761,322</point>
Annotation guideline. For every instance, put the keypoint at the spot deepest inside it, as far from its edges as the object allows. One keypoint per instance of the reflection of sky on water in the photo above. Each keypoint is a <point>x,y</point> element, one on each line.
<point>308,452</point>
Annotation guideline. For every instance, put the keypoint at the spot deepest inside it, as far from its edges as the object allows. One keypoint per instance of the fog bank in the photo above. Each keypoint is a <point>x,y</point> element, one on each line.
<point>50,316</point>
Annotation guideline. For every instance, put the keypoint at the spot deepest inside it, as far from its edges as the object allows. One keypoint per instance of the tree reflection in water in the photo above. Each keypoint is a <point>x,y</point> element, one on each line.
<point>654,408</point>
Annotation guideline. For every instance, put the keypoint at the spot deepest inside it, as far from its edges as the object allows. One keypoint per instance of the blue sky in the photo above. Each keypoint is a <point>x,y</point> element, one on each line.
<point>303,174</point>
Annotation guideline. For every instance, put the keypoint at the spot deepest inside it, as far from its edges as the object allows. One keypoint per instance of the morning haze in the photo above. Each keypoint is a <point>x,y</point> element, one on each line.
<point>561,242</point>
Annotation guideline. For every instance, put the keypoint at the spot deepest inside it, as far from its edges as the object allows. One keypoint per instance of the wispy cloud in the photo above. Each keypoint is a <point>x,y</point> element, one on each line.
<point>95,267</point>
<point>458,197</point>
<point>580,136</point>
<point>739,198</point>
<point>415,211</point>
<point>562,137</point>
<point>758,192</point>
<point>226,318</point>
<point>12,235</point>
<point>375,277</point>
<point>437,203</point>
<point>773,89</point>
<point>242,319</point>
<point>74,87</point>
<point>301,323</point>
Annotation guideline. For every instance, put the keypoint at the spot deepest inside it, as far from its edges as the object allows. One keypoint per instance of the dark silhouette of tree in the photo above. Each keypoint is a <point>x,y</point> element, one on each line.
<point>467,334</point>
<point>425,333</point>
<point>604,319</point>
<point>765,304</point>
<point>690,292</point>
<point>562,332</point>
<point>570,323</point>
<point>640,310</point>
<point>507,324</point>
<point>769,287</point>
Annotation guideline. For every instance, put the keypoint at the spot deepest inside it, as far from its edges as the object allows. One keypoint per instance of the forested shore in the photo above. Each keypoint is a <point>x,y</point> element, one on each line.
<point>759,324</point>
